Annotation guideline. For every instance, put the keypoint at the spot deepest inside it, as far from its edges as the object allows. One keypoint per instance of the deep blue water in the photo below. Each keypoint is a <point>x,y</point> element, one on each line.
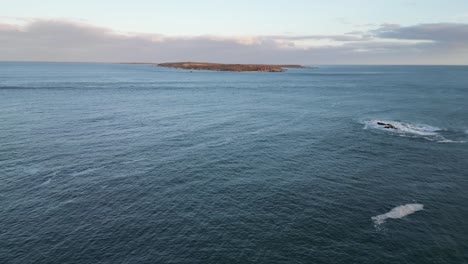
<point>109,163</point>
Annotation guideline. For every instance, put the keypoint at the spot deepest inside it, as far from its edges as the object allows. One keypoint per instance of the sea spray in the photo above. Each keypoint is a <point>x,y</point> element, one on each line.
<point>404,128</point>
<point>398,212</point>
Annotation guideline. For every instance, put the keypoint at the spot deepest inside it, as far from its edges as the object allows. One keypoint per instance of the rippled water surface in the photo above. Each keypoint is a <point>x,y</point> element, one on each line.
<point>109,163</point>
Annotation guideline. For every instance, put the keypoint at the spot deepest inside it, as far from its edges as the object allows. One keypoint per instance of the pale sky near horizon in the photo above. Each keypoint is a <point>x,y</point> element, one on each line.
<point>241,17</point>
<point>295,28</point>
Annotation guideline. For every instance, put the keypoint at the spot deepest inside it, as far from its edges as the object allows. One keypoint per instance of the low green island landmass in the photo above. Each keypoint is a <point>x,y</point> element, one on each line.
<point>229,67</point>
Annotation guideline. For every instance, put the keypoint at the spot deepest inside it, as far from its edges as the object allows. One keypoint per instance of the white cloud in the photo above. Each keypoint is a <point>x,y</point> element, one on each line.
<point>63,40</point>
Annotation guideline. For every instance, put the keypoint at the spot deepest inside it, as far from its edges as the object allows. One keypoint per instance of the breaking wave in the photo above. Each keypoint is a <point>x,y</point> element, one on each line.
<point>398,212</point>
<point>403,129</point>
<point>451,141</point>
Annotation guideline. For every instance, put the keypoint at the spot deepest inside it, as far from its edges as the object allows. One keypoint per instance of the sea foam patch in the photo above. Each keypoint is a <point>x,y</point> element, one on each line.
<point>398,212</point>
<point>403,129</point>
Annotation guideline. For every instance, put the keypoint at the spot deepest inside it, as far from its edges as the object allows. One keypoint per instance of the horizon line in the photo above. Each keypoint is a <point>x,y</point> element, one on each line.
<point>155,63</point>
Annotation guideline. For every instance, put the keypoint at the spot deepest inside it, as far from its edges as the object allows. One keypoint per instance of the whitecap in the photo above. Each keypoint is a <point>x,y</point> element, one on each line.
<point>410,130</point>
<point>404,128</point>
<point>451,141</point>
<point>398,212</point>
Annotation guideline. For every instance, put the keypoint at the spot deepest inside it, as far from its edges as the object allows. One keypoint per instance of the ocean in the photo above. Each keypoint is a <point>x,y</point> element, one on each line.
<point>115,163</point>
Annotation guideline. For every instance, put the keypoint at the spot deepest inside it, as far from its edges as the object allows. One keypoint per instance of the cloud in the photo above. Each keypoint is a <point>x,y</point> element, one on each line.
<point>344,37</point>
<point>8,27</point>
<point>62,40</point>
<point>440,32</point>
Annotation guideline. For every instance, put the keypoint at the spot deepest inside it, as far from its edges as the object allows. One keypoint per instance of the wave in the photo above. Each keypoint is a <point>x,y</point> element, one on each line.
<point>398,212</point>
<point>47,182</point>
<point>431,133</point>
<point>452,141</point>
<point>405,128</point>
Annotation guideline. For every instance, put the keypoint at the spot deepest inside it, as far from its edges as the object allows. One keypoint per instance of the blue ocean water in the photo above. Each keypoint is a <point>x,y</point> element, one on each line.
<point>113,163</point>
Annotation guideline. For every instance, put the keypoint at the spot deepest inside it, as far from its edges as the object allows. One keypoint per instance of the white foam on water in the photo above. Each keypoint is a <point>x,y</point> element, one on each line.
<point>398,212</point>
<point>404,128</point>
<point>451,141</point>
<point>408,130</point>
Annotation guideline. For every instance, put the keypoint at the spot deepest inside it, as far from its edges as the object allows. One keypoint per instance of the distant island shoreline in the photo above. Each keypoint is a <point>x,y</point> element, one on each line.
<point>227,67</point>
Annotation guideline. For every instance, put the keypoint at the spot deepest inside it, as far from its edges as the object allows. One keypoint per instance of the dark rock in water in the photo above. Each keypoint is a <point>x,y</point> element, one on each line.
<point>386,125</point>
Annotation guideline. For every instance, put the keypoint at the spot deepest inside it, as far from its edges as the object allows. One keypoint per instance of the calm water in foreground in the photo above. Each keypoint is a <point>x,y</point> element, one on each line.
<point>107,163</point>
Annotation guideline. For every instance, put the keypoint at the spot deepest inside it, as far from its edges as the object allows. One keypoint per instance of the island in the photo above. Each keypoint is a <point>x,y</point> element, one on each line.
<point>229,67</point>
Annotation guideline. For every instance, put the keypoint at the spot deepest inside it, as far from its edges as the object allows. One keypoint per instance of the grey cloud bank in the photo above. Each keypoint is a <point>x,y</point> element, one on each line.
<point>443,32</point>
<point>58,40</point>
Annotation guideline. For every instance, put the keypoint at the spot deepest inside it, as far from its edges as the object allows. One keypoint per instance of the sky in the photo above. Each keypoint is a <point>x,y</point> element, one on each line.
<point>273,31</point>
